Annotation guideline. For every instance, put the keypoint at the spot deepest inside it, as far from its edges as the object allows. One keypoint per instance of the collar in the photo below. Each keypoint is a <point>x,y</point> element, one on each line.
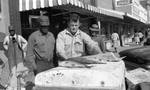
<point>40,34</point>
<point>13,36</point>
<point>77,33</point>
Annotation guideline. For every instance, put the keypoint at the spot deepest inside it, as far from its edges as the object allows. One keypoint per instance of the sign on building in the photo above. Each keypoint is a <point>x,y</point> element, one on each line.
<point>122,2</point>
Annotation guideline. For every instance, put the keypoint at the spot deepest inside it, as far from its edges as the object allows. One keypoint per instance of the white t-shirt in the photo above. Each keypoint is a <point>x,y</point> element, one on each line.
<point>115,36</point>
<point>140,35</point>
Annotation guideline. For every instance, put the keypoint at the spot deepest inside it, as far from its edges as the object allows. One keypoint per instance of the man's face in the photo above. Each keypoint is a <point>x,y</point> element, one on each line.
<point>12,32</point>
<point>74,26</point>
<point>95,33</point>
<point>44,29</point>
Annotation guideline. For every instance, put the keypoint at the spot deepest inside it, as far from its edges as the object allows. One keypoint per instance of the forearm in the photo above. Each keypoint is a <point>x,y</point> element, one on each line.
<point>61,55</point>
<point>94,49</point>
<point>92,46</point>
<point>30,62</point>
<point>5,47</point>
<point>23,42</point>
<point>5,43</point>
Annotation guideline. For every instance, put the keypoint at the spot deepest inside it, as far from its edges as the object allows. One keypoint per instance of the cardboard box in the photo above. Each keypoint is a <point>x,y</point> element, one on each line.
<point>138,75</point>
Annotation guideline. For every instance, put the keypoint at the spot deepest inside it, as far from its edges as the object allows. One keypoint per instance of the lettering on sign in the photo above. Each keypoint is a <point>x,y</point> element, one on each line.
<point>123,2</point>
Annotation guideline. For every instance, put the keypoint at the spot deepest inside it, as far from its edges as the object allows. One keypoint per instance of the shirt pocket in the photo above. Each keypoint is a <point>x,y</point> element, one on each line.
<point>78,46</point>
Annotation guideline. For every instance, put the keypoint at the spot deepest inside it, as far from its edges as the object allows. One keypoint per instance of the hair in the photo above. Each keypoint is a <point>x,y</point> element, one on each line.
<point>74,17</point>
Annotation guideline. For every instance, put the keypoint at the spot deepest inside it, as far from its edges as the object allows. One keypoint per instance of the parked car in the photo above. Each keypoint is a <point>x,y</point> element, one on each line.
<point>140,56</point>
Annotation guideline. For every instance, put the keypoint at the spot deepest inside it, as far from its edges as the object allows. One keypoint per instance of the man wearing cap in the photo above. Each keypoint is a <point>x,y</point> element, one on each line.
<point>71,41</point>
<point>14,45</point>
<point>13,36</point>
<point>40,47</point>
<point>96,37</point>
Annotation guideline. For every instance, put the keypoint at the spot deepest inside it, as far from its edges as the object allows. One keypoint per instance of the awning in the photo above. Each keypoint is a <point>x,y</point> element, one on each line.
<point>25,5</point>
<point>37,4</point>
<point>131,19</point>
<point>112,13</point>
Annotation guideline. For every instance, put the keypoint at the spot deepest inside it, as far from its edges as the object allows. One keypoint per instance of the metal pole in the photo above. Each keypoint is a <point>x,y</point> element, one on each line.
<point>99,25</point>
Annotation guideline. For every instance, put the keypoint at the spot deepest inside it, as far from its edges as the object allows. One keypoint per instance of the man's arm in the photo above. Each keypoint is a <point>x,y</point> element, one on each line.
<point>6,42</point>
<point>92,46</point>
<point>30,57</point>
<point>117,36</point>
<point>60,46</point>
<point>23,43</point>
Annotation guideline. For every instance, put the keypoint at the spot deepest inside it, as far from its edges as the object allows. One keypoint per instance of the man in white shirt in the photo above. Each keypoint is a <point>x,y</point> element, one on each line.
<point>141,36</point>
<point>71,42</point>
<point>21,41</point>
<point>115,40</point>
<point>14,45</point>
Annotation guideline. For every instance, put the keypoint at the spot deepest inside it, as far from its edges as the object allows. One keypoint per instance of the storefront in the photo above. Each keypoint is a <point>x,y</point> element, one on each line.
<point>58,11</point>
<point>135,18</point>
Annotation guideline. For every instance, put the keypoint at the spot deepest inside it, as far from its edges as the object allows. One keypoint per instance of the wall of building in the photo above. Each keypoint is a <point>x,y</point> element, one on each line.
<point>4,16</point>
<point>133,8</point>
<point>148,9</point>
<point>108,4</point>
<point>125,8</point>
<point>4,21</point>
<point>90,2</point>
<point>144,3</point>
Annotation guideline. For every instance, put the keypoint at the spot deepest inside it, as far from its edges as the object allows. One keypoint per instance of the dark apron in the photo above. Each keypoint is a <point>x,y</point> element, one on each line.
<point>15,54</point>
<point>42,64</point>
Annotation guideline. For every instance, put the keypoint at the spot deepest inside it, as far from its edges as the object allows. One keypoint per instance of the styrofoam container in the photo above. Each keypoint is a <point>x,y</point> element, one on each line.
<point>87,79</point>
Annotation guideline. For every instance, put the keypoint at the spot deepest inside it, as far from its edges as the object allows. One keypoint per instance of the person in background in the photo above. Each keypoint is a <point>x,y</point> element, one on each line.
<point>141,36</point>
<point>40,47</point>
<point>14,45</point>
<point>71,41</point>
<point>136,38</point>
<point>98,38</point>
<point>115,40</point>
<point>147,39</point>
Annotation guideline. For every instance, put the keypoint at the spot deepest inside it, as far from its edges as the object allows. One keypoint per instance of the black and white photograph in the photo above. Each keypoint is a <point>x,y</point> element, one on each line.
<point>75,45</point>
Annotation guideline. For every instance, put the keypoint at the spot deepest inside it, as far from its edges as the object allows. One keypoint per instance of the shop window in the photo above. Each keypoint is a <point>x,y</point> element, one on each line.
<point>33,21</point>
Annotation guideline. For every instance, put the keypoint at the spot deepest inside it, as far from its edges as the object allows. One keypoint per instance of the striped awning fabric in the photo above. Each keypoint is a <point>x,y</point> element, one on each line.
<point>25,5</point>
<point>36,4</point>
